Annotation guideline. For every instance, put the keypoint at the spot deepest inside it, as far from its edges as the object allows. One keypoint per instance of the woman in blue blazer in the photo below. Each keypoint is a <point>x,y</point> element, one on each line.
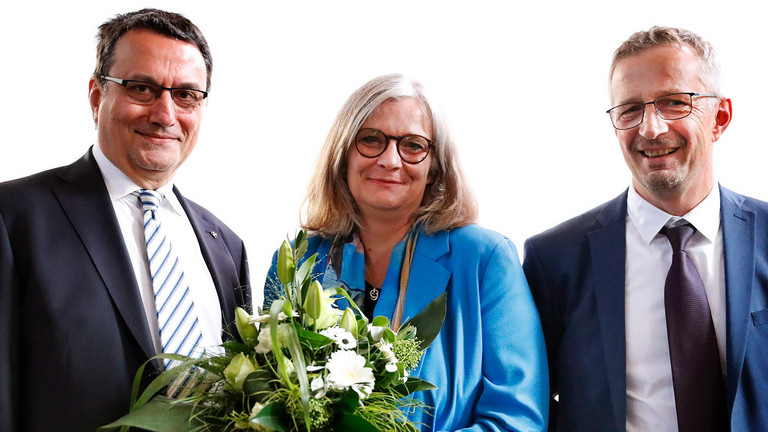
<point>390,217</point>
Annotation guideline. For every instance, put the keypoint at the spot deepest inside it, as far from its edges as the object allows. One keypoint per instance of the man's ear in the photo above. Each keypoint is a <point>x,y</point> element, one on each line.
<point>722,118</point>
<point>94,96</point>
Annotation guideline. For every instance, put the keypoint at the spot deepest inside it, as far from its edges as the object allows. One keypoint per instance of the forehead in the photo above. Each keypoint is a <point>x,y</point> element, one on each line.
<point>655,72</point>
<point>400,116</point>
<point>145,53</point>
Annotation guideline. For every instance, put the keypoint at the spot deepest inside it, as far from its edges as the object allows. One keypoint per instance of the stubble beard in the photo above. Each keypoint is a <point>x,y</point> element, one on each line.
<point>665,180</point>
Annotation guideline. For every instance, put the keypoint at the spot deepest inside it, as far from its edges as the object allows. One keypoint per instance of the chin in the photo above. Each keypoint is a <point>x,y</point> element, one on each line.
<point>662,182</point>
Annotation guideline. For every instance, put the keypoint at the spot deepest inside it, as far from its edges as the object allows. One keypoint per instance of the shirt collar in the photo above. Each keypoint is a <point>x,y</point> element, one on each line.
<point>649,219</point>
<point>120,185</point>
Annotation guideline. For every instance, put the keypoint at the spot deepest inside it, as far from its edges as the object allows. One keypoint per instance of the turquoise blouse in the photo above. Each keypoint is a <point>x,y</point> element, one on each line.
<point>489,360</point>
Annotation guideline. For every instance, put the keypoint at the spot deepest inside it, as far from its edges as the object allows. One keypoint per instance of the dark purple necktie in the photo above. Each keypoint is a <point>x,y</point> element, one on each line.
<point>696,373</point>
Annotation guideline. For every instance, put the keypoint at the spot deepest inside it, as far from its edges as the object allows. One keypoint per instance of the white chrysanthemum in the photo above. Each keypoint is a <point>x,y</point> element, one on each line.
<point>344,339</point>
<point>346,369</point>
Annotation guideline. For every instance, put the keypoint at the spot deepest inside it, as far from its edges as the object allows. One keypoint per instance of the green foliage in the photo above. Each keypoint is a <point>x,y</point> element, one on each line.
<point>283,376</point>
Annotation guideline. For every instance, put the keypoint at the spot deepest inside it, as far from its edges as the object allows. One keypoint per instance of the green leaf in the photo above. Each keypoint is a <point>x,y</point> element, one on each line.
<point>311,339</point>
<point>272,416</point>
<point>305,270</point>
<point>274,312</point>
<point>161,414</point>
<point>430,320</point>
<point>164,378</point>
<point>300,367</point>
<point>348,403</point>
<point>413,385</point>
<point>352,422</point>
<point>259,383</point>
<point>300,243</point>
<point>380,321</point>
<point>389,335</point>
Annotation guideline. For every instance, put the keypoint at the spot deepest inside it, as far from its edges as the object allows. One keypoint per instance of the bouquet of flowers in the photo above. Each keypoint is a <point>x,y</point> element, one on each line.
<point>304,365</point>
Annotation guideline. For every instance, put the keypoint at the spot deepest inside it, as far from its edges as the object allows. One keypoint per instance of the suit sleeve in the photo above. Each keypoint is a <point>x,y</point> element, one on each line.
<point>9,324</point>
<point>542,297</point>
<point>515,380</point>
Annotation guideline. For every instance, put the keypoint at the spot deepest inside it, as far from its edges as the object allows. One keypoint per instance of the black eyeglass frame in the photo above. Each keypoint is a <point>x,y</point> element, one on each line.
<point>125,82</point>
<point>398,140</point>
<point>655,108</point>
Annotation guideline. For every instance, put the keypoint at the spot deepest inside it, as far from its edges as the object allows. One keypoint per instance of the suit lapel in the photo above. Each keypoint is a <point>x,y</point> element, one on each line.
<point>738,250</point>
<point>608,256</point>
<point>216,256</point>
<point>84,198</point>
<point>427,274</point>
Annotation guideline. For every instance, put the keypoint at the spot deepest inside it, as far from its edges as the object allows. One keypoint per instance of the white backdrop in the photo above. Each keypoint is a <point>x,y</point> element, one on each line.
<point>524,87</point>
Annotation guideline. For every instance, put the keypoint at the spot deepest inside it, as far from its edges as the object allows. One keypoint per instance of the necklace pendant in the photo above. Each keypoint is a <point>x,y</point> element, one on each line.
<point>374,293</point>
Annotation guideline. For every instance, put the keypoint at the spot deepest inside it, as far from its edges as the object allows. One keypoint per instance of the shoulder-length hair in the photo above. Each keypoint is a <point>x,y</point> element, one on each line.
<point>448,202</point>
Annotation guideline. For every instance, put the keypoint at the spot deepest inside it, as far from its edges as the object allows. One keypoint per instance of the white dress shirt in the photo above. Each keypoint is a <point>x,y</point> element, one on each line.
<point>650,396</point>
<point>130,217</point>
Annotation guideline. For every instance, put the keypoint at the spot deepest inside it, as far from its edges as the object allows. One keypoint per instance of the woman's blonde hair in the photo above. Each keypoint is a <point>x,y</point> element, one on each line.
<point>448,201</point>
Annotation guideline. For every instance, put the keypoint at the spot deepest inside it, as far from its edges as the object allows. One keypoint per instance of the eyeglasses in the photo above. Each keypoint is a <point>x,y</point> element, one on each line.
<point>372,143</point>
<point>670,107</point>
<point>145,93</point>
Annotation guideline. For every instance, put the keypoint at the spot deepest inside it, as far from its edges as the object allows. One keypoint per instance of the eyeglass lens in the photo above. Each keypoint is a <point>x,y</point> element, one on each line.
<point>146,93</point>
<point>670,107</point>
<point>372,143</point>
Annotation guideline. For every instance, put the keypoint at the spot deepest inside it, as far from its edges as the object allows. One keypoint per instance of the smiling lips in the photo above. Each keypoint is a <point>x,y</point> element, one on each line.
<point>385,181</point>
<point>157,137</point>
<point>658,153</point>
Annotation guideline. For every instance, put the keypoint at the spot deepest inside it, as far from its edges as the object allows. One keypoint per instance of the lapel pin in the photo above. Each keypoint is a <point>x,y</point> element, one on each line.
<point>214,234</point>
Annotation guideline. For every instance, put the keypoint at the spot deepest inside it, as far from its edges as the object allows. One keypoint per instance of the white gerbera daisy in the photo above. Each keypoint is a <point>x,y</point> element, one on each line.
<point>344,339</point>
<point>346,369</point>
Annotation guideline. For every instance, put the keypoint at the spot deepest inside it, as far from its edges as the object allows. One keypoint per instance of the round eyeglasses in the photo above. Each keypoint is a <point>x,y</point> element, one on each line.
<point>145,93</point>
<point>372,143</point>
<point>670,107</point>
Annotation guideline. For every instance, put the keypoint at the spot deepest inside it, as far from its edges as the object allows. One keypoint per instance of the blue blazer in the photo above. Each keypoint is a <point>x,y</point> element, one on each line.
<point>488,360</point>
<point>576,274</point>
<point>72,326</point>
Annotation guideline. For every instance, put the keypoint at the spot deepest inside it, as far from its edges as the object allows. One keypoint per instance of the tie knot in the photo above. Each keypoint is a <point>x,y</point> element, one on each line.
<point>150,199</point>
<point>678,236</point>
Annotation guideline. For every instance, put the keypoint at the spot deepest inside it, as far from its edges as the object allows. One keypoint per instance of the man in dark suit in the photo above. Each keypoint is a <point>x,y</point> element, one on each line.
<point>609,283</point>
<point>77,306</point>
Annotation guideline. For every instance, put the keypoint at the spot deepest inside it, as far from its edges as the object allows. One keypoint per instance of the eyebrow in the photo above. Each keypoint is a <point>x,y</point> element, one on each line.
<point>151,80</point>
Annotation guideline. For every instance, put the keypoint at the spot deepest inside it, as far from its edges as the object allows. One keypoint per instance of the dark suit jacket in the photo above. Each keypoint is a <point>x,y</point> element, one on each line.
<point>576,274</point>
<point>72,328</point>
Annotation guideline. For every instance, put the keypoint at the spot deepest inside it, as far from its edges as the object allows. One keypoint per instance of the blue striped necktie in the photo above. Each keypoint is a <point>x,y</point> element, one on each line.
<point>176,316</point>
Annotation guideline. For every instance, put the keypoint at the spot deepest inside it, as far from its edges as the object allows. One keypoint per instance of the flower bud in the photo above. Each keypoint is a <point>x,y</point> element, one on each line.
<point>245,329</point>
<point>314,301</point>
<point>238,370</point>
<point>349,321</point>
<point>285,265</point>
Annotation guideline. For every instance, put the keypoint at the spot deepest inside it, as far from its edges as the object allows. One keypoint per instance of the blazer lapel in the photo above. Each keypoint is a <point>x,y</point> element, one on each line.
<point>216,256</point>
<point>608,256</point>
<point>739,257</point>
<point>84,198</point>
<point>427,274</point>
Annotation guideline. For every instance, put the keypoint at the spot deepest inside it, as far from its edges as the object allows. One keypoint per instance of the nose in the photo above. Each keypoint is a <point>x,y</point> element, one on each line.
<point>163,110</point>
<point>652,125</point>
<point>390,159</point>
